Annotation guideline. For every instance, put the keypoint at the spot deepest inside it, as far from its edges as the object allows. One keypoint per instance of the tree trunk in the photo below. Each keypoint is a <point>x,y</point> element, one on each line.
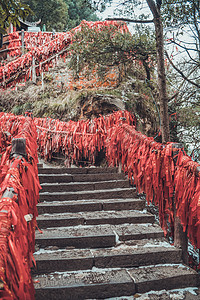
<point>162,86</point>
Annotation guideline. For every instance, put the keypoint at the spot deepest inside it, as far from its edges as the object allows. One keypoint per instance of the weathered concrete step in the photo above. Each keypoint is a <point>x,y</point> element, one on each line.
<point>84,195</point>
<point>44,178</point>
<point>90,205</point>
<point>170,276</point>
<point>99,177</point>
<point>127,232</point>
<point>98,236</point>
<point>187,293</point>
<point>143,253</point>
<point>76,170</point>
<point>62,260</point>
<point>40,165</point>
<point>83,285</point>
<point>84,186</point>
<point>79,237</point>
<point>117,257</point>
<point>94,218</point>
<point>103,283</point>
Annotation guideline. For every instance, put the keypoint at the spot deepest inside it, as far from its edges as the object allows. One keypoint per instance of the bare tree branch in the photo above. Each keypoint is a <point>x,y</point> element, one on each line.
<point>180,72</point>
<point>187,50</point>
<point>180,86</point>
<point>174,96</point>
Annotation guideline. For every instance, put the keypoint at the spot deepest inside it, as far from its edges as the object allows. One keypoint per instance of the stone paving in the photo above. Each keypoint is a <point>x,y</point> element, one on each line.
<point>99,242</point>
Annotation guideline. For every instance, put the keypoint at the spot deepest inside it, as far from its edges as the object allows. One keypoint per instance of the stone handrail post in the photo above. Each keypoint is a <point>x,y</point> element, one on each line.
<point>180,237</point>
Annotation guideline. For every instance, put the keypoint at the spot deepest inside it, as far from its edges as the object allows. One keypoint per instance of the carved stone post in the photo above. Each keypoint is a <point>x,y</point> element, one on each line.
<point>18,150</point>
<point>120,167</point>
<point>42,81</point>
<point>22,39</point>
<point>1,284</point>
<point>180,237</point>
<point>33,71</point>
<point>19,147</point>
<point>123,119</point>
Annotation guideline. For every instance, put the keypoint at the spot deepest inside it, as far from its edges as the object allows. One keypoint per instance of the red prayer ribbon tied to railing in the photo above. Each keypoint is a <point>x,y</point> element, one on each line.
<point>77,140</point>
<point>43,47</point>
<point>152,165</point>
<point>187,195</point>
<point>155,173</point>
<point>17,236</point>
<point>15,43</point>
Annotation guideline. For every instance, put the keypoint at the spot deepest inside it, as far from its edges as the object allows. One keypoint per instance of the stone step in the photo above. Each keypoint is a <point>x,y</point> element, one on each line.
<point>98,236</point>
<point>107,283</point>
<point>84,186</point>
<point>79,237</point>
<point>94,218</point>
<point>84,285</point>
<point>187,293</point>
<point>46,178</point>
<point>90,205</point>
<point>98,239</point>
<point>118,257</point>
<point>76,170</point>
<point>85,195</point>
<point>127,232</point>
<point>40,165</point>
<point>168,277</point>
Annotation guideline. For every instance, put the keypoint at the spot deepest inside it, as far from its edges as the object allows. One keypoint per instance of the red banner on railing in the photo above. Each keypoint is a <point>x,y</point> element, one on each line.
<point>150,164</point>
<point>19,196</point>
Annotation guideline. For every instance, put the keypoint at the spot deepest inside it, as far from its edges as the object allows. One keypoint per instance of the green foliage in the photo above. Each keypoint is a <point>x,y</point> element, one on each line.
<point>180,12</point>
<point>79,10</point>
<point>109,47</point>
<point>97,5</point>
<point>54,14</point>
<point>61,15</point>
<point>10,11</point>
<point>22,108</point>
<point>17,110</point>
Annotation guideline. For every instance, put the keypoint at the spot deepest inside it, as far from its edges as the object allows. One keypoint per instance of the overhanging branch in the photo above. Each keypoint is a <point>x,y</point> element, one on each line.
<point>129,20</point>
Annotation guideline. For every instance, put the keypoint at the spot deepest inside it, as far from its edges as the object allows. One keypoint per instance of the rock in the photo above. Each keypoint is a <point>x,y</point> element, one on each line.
<point>98,104</point>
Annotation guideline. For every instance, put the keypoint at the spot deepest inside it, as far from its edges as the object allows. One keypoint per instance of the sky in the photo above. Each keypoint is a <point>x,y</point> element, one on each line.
<point>109,11</point>
<point>144,9</point>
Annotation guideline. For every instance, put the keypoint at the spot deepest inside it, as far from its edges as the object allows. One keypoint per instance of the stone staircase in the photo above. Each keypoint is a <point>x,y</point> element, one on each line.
<point>98,240</point>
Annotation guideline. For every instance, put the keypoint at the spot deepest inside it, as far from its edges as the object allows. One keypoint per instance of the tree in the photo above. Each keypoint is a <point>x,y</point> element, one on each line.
<point>109,47</point>
<point>182,23</point>
<point>79,10</point>
<point>182,18</point>
<point>162,84</point>
<point>155,9</point>
<point>54,14</point>
<point>10,11</point>
<point>61,14</point>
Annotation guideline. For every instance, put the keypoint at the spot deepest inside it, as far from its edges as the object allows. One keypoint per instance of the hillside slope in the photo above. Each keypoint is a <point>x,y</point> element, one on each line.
<point>62,97</point>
